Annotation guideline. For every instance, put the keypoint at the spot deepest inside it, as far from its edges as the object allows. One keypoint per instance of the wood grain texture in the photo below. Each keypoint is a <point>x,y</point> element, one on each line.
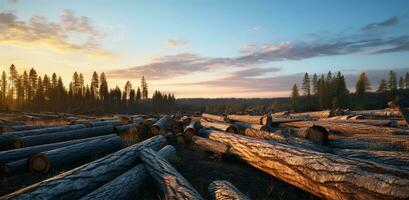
<point>170,183</point>
<point>82,180</point>
<point>160,126</point>
<point>262,120</point>
<point>214,117</point>
<point>224,190</point>
<point>227,127</point>
<point>325,175</point>
<point>210,145</point>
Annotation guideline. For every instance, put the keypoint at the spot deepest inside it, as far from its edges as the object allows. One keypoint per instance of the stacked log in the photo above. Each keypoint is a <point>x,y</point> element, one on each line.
<point>169,182</point>
<point>315,134</point>
<point>186,120</point>
<point>262,120</point>
<point>214,117</point>
<point>219,126</point>
<point>159,127</point>
<point>191,130</point>
<point>316,114</point>
<point>21,128</point>
<point>58,158</point>
<point>62,136</point>
<point>370,141</point>
<point>105,123</point>
<point>223,190</point>
<point>350,128</point>
<point>324,175</point>
<point>7,138</point>
<point>82,180</point>
<point>177,127</point>
<point>127,183</point>
<point>373,122</point>
<point>17,154</point>
<point>210,145</point>
<point>384,113</point>
<point>243,125</point>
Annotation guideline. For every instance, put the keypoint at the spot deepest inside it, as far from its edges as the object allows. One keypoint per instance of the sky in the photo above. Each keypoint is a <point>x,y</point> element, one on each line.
<point>207,48</point>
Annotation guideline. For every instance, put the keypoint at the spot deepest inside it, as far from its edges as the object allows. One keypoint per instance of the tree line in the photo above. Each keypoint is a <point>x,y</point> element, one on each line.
<point>330,92</point>
<point>29,91</point>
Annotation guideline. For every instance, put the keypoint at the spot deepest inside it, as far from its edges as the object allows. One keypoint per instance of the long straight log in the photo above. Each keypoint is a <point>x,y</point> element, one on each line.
<point>170,183</point>
<point>59,158</point>
<point>380,142</point>
<point>82,180</point>
<point>210,145</point>
<point>133,179</point>
<point>325,175</point>
<point>219,126</point>
<point>105,123</point>
<point>17,154</point>
<point>384,113</point>
<point>350,128</point>
<point>159,127</point>
<point>243,125</point>
<point>373,122</point>
<point>21,128</point>
<point>7,138</point>
<point>224,190</point>
<point>214,117</point>
<point>262,120</point>
<point>62,136</point>
<point>14,167</point>
<point>316,114</point>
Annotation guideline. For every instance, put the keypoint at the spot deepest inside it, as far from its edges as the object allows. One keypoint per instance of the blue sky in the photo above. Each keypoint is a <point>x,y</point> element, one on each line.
<point>207,48</point>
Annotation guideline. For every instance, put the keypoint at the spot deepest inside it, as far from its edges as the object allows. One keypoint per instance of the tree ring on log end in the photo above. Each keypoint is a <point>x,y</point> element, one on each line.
<point>266,120</point>
<point>39,163</point>
<point>317,134</point>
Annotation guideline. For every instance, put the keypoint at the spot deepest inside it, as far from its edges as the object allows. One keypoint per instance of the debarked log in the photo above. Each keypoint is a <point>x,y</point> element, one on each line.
<point>322,174</point>
<point>243,125</point>
<point>170,183</point>
<point>224,190</point>
<point>128,183</point>
<point>373,122</point>
<point>262,120</point>
<point>59,158</point>
<point>219,126</point>
<point>82,180</point>
<point>210,145</point>
<point>62,136</point>
<point>214,117</point>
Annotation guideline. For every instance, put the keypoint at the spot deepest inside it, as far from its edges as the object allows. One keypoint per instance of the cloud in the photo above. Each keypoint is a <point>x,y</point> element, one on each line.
<point>392,21</point>
<point>177,42</point>
<point>71,34</point>
<point>12,1</point>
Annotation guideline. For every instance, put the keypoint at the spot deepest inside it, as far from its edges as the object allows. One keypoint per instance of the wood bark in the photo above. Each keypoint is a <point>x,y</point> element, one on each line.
<point>214,117</point>
<point>262,120</point>
<point>125,128</point>
<point>177,127</point>
<point>13,168</point>
<point>365,141</point>
<point>350,128</point>
<point>105,123</point>
<point>243,126</point>
<point>186,120</point>
<point>62,136</point>
<point>170,183</point>
<point>61,157</point>
<point>219,126</point>
<point>322,174</point>
<point>159,127</point>
<point>210,145</point>
<point>151,121</point>
<point>7,138</point>
<point>316,114</point>
<point>17,154</point>
<point>15,128</point>
<point>373,122</point>
<point>191,130</point>
<point>315,134</point>
<point>128,183</point>
<point>224,190</point>
<point>384,113</point>
<point>82,180</point>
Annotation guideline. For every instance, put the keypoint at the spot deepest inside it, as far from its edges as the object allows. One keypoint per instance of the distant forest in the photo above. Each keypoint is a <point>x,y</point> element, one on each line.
<point>29,91</point>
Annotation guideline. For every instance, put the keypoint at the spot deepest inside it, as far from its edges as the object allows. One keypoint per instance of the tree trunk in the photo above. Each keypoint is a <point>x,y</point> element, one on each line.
<point>59,158</point>
<point>106,123</point>
<point>160,126</point>
<point>123,186</point>
<point>322,174</point>
<point>373,122</point>
<point>126,128</point>
<point>365,141</point>
<point>214,117</point>
<point>15,167</point>
<point>17,154</point>
<point>62,136</point>
<point>262,120</point>
<point>16,128</point>
<point>219,126</point>
<point>170,183</point>
<point>316,114</point>
<point>191,130</point>
<point>224,190</point>
<point>384,113</point>
<point>243,126</point>
<point>7,138</point>
<point>82,180</point>
<point>210,145</point>
<point>350,128</point>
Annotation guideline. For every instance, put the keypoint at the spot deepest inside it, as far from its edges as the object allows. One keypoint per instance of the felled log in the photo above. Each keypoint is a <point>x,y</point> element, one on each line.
<point>7,138</point>
<point>219,126</point>
<point>126,128</point>
<point>350,128</point>
<point>17,154</point>
<point>384,113</point>
<point>316,114</point>
<point>278,122</point>
<point>151,121</point>
<point>263,120</point>
<point>373,122</point>
<point>62,136</point>
<point>366,141</point>
<point>123,186</point>
<point>224,190</point>
<point>191,130</point>
<point>324,175</point>
<point>169,182</point>
<point>186,120</point>
<point>14,167</point>
<point>105,123</point>
<point>177,127</point>
<point>82,180</point>
<point>315,134</point>
<point>58,158</point>
<point>210,145</point>
<point>21,128</point>
<point>159,127</point>
<point>214,117</point>
<point>243,126</point>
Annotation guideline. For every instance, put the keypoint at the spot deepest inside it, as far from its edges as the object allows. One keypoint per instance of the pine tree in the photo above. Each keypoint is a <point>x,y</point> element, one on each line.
<point>340,98</point>
<point>294,96</point>
<point>12,81</point>
<point>127,89</point>
<point>392,82</point>
<point>138,94</point>
<point>361,87</point>
<point>95,85</point>
<point>407,80</point>
<point>144,86</point>
<point>103,89</point>
<point>382,86</point>
<point>3,86</point>
<point>401,83</point>
<point>306,85</point>
<point>315,84</point>
<point>32,76</point>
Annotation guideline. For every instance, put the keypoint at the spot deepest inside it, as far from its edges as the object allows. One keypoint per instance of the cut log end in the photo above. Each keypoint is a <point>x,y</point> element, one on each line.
<point>189,133</point>
<point>180,138</point>
<point>266,120</point>
<point>155,129</point>
<point>317,134</point>
<point>39,163</point>
<point>232,129</point>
